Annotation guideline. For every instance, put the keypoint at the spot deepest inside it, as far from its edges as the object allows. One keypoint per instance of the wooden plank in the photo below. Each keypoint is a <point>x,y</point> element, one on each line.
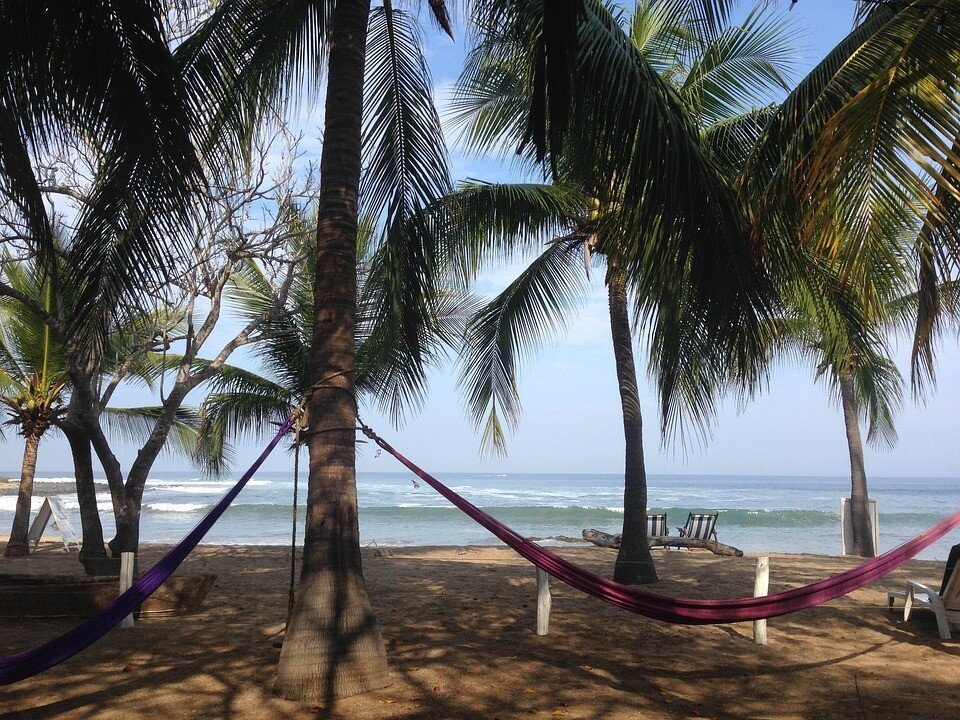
<point>63,525</point>
<point>126,581</point>
<point>761,585</point>
<point>598,537</point>
<point>39,523</point>
<point>543,602</point>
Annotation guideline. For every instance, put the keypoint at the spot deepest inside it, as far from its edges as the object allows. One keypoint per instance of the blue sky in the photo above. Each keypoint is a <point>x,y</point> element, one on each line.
<point>571,420</point>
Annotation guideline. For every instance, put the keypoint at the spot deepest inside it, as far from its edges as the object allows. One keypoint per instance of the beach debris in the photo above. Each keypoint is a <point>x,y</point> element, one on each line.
<point>607,540</point>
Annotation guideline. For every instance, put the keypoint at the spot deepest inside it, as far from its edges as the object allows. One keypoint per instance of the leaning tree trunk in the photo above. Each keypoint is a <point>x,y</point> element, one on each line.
<point>91,527</point>
<point>634,562</point>
<point>18,545</point>
<point>859,501</point>
<point>333,645</point>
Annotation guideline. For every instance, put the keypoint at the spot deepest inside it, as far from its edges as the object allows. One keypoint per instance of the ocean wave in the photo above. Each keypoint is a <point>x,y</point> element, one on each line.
<point>176,507</point>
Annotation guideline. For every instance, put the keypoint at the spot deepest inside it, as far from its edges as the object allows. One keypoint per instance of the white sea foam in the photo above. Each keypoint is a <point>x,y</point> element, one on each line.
<point>176,507</point>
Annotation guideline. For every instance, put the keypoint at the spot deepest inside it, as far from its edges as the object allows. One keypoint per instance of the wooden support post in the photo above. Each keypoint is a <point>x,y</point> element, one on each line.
<point>126,581</point>
<point>543,602</point>
<point>761,584</point>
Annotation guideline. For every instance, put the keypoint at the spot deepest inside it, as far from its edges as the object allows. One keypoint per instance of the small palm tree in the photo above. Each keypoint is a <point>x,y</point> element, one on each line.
<point>692,296</point>
<point>866,382</point>
<point>242,402</point>
<point>33,383</point>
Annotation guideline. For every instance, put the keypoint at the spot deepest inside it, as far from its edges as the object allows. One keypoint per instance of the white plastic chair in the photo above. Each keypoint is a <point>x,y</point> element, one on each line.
<point>945,605</point>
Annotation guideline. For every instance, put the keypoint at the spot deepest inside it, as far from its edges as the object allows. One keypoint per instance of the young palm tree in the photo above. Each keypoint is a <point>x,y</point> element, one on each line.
<point>242,402</point>
<point>855,362</point>
<point>379,109</point>
<point>718,72</point>
<point>33,383</point>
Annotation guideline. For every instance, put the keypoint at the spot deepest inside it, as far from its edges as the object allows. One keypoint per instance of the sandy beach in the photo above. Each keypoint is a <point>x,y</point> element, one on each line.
<point>458,623</point>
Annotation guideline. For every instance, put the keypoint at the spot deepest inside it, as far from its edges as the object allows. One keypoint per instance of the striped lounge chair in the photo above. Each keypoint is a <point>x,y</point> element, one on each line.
<point>657,526</point>
<point>700,526</point>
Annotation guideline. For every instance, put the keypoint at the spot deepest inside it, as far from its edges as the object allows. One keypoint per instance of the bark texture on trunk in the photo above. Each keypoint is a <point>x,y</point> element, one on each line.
<point>18,544</point>
<point>634,562</point>
<point>859,500</point>
<point>90,527</point>
<point>333,645</point>
<point>127,537</point>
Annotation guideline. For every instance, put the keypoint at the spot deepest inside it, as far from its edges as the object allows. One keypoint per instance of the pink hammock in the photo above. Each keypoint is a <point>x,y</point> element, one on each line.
<point>681,610</point>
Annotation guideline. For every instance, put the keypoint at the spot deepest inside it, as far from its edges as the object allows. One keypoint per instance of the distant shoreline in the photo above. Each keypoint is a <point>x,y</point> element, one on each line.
<point>10,486</point>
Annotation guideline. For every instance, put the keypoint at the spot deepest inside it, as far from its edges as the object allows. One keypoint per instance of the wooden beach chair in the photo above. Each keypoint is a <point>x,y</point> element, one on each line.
<point>945,604</point>
<point>700,526</point>
<point>657,526</point>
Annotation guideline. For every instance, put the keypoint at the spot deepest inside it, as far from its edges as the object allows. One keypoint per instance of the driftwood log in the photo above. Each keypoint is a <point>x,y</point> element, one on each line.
<point>613,541</point>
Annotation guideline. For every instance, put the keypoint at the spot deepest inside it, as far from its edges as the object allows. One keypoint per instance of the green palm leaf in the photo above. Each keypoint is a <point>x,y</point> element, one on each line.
<point>520,319</point>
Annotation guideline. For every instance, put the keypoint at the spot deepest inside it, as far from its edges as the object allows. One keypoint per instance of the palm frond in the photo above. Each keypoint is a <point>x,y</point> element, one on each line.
<point>743,67</point>
<point>247,57</point>
<point>126,103</point>
<point>484,222</point>
<point>520,319</point>
<point>135,424</point>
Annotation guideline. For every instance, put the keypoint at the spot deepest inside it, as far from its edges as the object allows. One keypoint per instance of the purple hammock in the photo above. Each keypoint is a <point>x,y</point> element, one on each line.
<point>30,662</point>
<point>680,610</point>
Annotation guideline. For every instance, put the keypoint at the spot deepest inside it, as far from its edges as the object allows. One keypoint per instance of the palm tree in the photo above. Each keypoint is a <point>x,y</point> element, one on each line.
<point>863,150</point>
<point>380,116</point>
<point>856,364</point>
<point>33,383</point>
<point>718,72</point>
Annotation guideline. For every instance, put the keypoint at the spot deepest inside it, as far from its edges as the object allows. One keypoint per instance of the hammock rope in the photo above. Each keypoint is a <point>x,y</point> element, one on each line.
<point>30,662</point>
<point>681,610</point>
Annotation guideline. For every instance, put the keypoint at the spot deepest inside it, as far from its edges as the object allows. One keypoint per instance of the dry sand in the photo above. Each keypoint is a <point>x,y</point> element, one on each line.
<point>458,624</point>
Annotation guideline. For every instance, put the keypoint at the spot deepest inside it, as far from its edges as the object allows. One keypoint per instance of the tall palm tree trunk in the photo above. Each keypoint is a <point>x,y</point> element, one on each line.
<point>18,545</point>
<point>859,500</point>
<point>634,562</point>
<point>333,645</point>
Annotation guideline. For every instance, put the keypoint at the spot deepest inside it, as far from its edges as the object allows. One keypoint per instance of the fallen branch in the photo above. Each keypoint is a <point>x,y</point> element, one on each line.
<point>613,541</point>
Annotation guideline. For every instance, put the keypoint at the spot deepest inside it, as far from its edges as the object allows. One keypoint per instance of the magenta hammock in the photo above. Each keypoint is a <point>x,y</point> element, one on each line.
<point>30,662</point>
<point>680,610</point>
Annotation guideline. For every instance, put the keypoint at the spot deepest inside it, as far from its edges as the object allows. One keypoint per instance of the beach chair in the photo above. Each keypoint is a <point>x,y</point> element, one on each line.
<point>945,604</point>
<point>700,526</point>
<point>657,526</point>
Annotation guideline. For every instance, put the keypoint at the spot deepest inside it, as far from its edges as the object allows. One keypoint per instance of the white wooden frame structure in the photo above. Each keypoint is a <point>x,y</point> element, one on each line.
<point>53,508</point>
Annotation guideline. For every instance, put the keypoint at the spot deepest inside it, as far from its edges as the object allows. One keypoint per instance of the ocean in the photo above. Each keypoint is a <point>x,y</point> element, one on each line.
<point>757,513</point>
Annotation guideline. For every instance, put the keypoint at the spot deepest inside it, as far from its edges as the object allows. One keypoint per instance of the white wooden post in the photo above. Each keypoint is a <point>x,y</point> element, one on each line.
<point>126,580</point>
<point>761,584</point>
<point>543,602</point>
